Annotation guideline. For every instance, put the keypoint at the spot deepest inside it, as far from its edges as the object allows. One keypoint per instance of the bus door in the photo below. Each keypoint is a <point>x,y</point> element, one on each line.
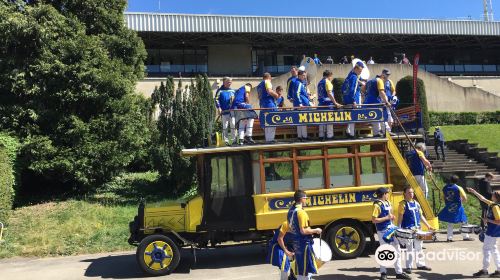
<point>228,192</point>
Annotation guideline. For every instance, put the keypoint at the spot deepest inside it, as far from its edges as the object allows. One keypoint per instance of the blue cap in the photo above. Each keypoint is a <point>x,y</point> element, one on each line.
<point>360,64</point>
<point>386,72</point>
<point>381,191</point>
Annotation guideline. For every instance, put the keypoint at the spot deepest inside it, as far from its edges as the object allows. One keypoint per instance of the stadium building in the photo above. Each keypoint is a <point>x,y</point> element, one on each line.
<point>250,45</point>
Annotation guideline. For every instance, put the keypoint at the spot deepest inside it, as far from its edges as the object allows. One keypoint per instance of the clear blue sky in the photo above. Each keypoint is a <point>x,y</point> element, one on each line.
<point>415,9</point>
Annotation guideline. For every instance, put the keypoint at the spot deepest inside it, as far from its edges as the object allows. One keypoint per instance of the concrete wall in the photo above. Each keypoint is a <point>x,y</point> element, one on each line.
<point>442,95</point>
<point>229,59</point>
<point>489,84</point>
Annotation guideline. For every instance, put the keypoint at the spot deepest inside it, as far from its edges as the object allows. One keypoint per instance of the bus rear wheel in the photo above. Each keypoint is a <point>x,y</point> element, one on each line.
<point>347,240</point>
<point>158,255</point>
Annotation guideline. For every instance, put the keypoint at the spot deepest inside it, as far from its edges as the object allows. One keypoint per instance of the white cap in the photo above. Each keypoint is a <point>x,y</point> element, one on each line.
<point>302,68</point>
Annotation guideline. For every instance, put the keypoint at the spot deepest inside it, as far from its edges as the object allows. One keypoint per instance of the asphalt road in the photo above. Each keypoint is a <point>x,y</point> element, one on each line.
<point>243,262</point>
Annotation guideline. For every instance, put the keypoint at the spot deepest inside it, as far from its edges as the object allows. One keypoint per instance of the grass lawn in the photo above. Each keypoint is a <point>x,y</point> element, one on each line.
<point>486,135</point>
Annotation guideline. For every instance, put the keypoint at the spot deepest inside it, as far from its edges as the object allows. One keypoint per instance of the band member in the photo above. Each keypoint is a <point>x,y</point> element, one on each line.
<point>418,164</point>
<point>326,98</point>
<point>410,217</point>
<point>223,101</point>
<point>375,94</point>
<point>300,99</point>
<point>295,73</point>
<point>492,219</point>
<point>279,254</point>
<point>280,101</point>
<point>390,92</point>
<point>242,101</point>
<point>485,190</point>
<point>267,98</point>
<point>453,211</point>
<point>382,217</point>
<point>301,236</point>
<point>351,89</point>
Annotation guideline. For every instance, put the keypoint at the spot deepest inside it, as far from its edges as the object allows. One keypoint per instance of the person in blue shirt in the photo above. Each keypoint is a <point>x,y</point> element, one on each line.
<point>418,164</point>
<point>301,237</point>
<point>453,211</point>
<point>390,92</point>
<point>294,72</point>
<point>326,98</point>
<point>301,99</point>
<point>411,217</point>
<point>382,218</point>
<point>492,219</point>
<point>316,59</point>
<point>439,142</point>
<point>375,94</point>
<point>280,101</point>
<point>279,253</point>
<point>351,90</point>
<point>223,101</point>
<point>267,99</point>
<point>245,126</point>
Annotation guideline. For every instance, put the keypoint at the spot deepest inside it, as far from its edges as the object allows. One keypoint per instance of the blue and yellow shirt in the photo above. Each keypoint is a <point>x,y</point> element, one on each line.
<point>239,98</point>
<point>266,100</point>
<point>382,209</point>
<point>417,166</point>
<point>411,213</point>
<point>300,96</point>
<point>493,213</point>
<point>350,89</point>
<point>325,86</point>
<point>224,98</point>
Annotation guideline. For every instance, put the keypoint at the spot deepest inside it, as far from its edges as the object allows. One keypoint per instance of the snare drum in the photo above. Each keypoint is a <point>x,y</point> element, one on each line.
<point>405,233</point>
<point>470,229</point>
<point>322,252</point>
<point>425,235</point>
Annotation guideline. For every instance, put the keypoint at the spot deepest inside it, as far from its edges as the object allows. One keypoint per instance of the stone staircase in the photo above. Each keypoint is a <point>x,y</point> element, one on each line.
<point>466,160</point>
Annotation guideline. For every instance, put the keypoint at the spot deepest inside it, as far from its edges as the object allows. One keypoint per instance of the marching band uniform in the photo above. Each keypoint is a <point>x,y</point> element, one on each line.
<point>275,254</point>
<point>372,96</point>
<point>411,214</point>
<point>267,101</point>
<point>351,90</point>
<point>325,86</point>
<point>289,90</point>
<point>453,211</point>
<point>240,102</point>
<point>382,208</point>
<point>302,244</point>
<point>390,90</point>
<point>300,98</point>
<point>223,100</point>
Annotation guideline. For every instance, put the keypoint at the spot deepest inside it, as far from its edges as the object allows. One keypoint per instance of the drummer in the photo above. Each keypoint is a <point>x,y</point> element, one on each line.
<point>301,236</point>
<point>492,219</point>
<point>382,217</point>
<point>278,253</point>
<point>410,216</point>
<point>453,211</point>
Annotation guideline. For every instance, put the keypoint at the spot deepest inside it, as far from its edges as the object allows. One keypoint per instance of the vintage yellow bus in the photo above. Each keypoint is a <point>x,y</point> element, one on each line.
<point>244,194</point>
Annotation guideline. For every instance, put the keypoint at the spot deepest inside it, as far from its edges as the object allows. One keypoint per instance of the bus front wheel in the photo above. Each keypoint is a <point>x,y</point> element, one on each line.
<point>346,239</point>
<point>158,255</point>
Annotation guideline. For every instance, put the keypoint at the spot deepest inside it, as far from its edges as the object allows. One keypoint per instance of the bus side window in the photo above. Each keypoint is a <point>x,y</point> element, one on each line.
<point>372,170</point>
<point>341,172</point>
<point>278,177</point>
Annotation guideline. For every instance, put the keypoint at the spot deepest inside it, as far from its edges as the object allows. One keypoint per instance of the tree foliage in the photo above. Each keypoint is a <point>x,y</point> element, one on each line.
<point>185,121</point>
<point>404,89</point>
<point>6,185</point>
<point>68,70</point>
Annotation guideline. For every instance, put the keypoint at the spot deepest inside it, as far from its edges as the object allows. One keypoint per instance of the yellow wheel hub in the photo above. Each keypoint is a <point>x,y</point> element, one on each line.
<point>347,239</point>
<point>158,255</point>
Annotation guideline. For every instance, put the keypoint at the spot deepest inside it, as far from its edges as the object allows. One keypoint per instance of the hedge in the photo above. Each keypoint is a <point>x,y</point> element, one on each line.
<point>6,185</point>
<point>11,146</point>
<point>450,118</point>
<point>404,89</point>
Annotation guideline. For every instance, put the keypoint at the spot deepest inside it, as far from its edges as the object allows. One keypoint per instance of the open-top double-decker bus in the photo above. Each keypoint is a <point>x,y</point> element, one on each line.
<point>244,192</point>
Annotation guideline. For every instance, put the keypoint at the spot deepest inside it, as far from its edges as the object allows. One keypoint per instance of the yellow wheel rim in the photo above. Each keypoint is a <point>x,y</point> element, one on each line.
<point>158,255</point>
<point>347,239</point>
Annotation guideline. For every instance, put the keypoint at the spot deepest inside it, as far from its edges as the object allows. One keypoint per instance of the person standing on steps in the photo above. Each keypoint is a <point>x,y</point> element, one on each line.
<point>439,142</point>
<point>418,165</point>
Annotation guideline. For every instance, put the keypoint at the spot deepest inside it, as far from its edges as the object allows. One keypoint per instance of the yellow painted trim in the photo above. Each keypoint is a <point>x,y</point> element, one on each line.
<point>403,166</point>
<point>283,261</point>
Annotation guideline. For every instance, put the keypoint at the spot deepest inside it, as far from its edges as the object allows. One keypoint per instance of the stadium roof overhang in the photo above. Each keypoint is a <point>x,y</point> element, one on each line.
<point>323,32</point>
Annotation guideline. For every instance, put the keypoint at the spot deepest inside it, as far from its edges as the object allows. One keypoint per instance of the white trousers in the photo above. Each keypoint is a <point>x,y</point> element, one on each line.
<point>422,183</point>
<point>490,248</point>
<point>414,251</point>
<point>395,243</point>
<point>449,232</point>
<point>283,275</point>
<point>350,129</point>
<point>329,130</point>
<point>245,128</point>
<point>376,128</point>
<point>302,131</point>
<point>228,122</point>
<point>269,133</point>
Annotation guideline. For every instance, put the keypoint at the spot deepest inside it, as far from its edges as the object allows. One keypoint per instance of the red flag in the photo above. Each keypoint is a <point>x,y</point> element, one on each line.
<point>415,72</point>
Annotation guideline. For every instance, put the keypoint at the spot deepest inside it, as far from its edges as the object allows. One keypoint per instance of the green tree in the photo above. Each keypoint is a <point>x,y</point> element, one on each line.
<point>404,88</point>
<point>68,71</point>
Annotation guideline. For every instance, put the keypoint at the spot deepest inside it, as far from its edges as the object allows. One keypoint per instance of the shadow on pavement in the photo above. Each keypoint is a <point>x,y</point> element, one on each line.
<point>126,267</point>
<point>341,277</point>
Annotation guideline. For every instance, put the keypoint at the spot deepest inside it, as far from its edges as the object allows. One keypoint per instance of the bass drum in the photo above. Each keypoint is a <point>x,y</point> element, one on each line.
<point>322,252</point>
<point>310,67</point>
